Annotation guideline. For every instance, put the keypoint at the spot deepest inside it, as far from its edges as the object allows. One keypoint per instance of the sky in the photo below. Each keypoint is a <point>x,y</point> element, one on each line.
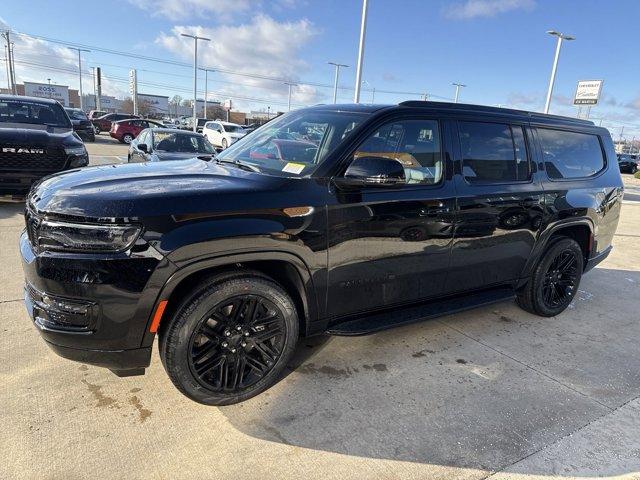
<point>498,48</point>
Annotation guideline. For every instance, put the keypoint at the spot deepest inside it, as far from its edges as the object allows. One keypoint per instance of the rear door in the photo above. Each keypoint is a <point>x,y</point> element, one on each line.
<point>500,203</point>
<point>391,245</point>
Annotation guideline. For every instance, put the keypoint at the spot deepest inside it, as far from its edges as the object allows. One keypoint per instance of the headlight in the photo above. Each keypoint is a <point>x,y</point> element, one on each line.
<point>75,150</point>
<point>64,236</point>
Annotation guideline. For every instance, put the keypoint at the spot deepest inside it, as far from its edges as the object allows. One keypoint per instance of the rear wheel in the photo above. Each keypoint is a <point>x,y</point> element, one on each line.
<point>555,280</point>
<point>127,138</point>
<point>230,340</point>
<point>96,129</point>
<point>224,143</point>
<point>634,169</point>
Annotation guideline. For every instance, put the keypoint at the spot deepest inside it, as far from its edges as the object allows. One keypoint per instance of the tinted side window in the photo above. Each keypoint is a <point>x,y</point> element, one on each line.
<point>570,154</point>
<point>493,152</point>
<point>413,143</point>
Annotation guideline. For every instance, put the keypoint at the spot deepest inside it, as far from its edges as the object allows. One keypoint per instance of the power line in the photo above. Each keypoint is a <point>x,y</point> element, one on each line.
<point>213,67</point>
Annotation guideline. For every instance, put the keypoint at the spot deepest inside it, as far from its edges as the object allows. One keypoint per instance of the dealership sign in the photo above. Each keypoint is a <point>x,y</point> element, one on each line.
<point>44,90</point>
<point>588,92</point>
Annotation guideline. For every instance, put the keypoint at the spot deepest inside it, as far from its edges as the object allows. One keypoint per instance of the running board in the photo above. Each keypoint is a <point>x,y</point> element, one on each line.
<point>381,321</point>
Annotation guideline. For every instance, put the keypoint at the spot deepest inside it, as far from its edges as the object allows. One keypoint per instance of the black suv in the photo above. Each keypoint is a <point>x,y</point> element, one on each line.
<point>628,163</point>
<point>36,139</point>
<point>344,219</point>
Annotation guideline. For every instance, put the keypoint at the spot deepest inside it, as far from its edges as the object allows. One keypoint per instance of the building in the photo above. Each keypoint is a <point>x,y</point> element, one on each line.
<point>107,103</point>
<point>68,97</point>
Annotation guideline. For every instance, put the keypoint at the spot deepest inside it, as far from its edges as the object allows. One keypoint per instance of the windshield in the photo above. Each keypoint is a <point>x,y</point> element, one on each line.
<point>76,114</point>
<point>181,143</point>
<point>294,144</point>
<point>233,128</point>
<point>34,113</point>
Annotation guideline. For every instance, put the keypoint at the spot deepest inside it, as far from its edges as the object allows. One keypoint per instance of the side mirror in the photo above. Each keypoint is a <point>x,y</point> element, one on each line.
<point>377,171</point>
<point>143,147</point>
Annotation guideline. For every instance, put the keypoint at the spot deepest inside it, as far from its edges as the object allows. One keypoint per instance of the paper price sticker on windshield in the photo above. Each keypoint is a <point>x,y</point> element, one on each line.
<point>296,168</point>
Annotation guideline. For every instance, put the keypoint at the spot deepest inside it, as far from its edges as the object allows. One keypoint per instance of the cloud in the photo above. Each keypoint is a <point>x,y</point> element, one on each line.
<point>470,9</point>
<point>183,9</point>
<point>38,60</point>
<point>263,47</point>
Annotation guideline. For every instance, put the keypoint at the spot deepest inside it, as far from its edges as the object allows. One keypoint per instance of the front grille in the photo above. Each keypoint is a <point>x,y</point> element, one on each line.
<point>52,160</point>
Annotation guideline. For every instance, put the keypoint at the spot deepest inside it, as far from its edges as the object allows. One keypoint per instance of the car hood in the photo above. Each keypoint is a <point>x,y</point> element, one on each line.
<point>164,156</point>
<point>151,189</point>
<point>30,135</point>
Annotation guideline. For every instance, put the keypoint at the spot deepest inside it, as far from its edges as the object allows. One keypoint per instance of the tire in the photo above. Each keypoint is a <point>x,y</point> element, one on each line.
<point>96,130</point>
<point>206,342</point>
<point>224,143</point>
<point>555,280</point>
<point>127,138</point>
<point>634,169</point>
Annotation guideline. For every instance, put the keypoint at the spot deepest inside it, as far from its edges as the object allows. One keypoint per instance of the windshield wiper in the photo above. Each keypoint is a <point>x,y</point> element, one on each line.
<point>238,164</point>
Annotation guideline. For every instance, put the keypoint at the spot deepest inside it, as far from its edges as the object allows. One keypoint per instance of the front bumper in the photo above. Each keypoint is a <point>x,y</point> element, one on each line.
<point>88,309</point>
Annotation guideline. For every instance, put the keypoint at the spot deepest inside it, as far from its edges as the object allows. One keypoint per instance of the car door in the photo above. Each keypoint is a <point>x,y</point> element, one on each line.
<point>391,245</point>
<point>500,203</point>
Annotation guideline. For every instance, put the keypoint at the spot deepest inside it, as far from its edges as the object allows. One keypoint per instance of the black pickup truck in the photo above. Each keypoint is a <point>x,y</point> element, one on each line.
<point>36,139</point>
<point>338,219</point>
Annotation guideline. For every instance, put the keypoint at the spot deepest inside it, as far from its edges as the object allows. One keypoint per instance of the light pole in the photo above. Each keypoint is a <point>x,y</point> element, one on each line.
<point>195,76</point>
<point>289,102</point>
<point>49,81</point>
<point>268,113</point>
<point>335,83</point>
<point>458,86</point>
<point>363,31</point>
<point>552,80</point>
<point>80,50</point>
<point>206,86</point>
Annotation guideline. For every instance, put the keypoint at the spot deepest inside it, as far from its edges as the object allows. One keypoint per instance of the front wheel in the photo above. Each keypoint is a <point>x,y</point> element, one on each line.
<point>555,280</point>
<point>230,340</point>
<point>634,169</point>
<point>224,143</point>
<point>96,129</point>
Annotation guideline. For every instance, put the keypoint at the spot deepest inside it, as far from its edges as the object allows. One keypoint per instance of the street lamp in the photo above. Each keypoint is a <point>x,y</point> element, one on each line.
<point>552,80</point>
<point>195,76</point>
<point>335,83</point>
<point>458,86</point>
<point>80,50</point>
<point>363,32</point>
<point>290,85</point>
<point>206,86</point>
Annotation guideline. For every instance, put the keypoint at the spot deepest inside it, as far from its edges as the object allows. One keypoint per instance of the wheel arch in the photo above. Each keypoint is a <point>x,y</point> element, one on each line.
<point>286,269</point>
<point>581,230</point>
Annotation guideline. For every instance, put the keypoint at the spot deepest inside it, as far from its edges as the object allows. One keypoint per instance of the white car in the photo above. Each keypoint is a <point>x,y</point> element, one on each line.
<point>223,134</point>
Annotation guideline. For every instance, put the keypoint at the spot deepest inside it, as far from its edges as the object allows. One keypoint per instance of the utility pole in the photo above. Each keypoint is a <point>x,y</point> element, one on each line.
<point>458,86</point>
<point>335,82</point>
<point>80,50</point>
<point>195,76</point>
<point>11,62</point>
<point>268,113</point>
<point>552,80</point>
<point>373,95</point>
<point>289,102</point>
<point>49,81</point>
<point>425,96</point>
<point>6,62</point>
<point>363,32</point>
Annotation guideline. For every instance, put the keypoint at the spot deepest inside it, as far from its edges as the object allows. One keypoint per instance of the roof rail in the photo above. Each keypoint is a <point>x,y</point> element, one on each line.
<point>485,108</point>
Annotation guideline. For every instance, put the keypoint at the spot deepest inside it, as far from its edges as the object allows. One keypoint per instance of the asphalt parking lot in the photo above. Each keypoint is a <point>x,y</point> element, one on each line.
<point>493,392</point>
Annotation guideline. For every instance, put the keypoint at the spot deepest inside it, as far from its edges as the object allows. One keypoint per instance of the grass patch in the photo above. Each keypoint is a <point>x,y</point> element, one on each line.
<point>637,174</point>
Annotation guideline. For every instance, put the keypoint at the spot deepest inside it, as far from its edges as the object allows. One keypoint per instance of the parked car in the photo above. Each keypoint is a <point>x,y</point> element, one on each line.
<point>187,124</point>
<point>628,163</point>
<point>81,124</point>
<point>126,130</point>
<point>93,114</point>
<point>223,134</point>
<point>103,123</point>
<point>404,212</point>
<point>36,139</point>
<point>160,144</point>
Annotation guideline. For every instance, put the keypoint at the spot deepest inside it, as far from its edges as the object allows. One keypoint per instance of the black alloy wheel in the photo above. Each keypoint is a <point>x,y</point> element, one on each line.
<point>237,343</point>
<point>560,280</point>
<point>554,281</point>
<point>230,339</point>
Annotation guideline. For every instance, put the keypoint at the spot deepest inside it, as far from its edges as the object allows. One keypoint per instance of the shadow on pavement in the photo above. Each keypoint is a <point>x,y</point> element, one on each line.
<point>478,390</point>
